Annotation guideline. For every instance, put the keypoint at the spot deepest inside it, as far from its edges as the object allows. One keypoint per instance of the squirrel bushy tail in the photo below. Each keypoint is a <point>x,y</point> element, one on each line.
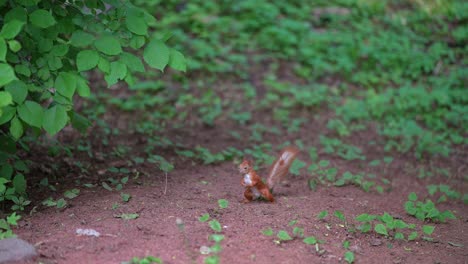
<point>280,167</point>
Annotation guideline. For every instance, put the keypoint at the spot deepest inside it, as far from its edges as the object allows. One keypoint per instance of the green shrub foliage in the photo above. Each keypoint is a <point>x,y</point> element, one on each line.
<point>46,48</point>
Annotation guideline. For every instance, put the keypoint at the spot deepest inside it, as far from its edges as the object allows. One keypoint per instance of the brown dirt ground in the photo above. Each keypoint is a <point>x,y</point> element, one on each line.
<point>194,189</point>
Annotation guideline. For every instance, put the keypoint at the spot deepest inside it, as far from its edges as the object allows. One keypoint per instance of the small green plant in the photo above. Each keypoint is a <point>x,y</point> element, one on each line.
<point>283,235</point>
<point>204,217</point>
<point>71,194</point>
<point>125,197</point>
<point>338,214</point>
<point>19,203</point>
<point>426,210</point>
<point>223,203</point>
<point>126,216</point>
<point>117,184</point>
<point>7,224</point>
<point>322,172</point>
<point>386,225</point>
<point>215,225</point>
<point>349,257</point>
<point>446,191</point>
<point>216,249</point>
<point>268,232</point>
<point>322,215</point>
<point>50,202</point>
<point>144,260</point>
<point>360,180</point>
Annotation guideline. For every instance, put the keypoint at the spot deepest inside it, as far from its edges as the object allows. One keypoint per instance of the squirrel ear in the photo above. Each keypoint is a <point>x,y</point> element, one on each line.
<point>248,160</point>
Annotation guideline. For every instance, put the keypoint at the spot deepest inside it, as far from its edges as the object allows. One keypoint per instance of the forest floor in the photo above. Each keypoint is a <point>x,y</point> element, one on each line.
<point>372,92</point>
<point>193,189</point>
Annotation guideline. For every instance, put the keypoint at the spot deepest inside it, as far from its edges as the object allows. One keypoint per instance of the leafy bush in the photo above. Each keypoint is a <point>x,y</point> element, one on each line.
<point>45,51</point>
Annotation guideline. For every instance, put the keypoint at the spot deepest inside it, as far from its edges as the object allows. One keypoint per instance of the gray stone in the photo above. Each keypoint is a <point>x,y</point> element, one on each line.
<point>15,249</point>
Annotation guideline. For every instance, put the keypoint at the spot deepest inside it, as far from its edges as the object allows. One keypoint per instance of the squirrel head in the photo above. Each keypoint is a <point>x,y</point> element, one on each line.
<point>245,166</point>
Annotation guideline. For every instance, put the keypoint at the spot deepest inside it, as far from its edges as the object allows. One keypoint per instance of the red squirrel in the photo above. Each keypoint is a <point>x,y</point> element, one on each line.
<point>255,187</point>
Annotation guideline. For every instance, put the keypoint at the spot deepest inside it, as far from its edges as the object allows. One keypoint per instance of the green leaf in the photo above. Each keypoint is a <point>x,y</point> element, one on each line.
<point>346,244</point>
<point>31,113</point>
<point>386,218</point>
<point>177,61</point>
<point>428,230</point>
<point>7,76</point>
<point>87,60</point>
<point>23,69</point>
<point>268,232</point>
<point>17,13</point>
<point>16,128</point>
<point>412,196</point>
<point>19,182</point>
<point>14,45</point>
<point>283,235</point>
<point>13,219</point>
<point>400,224</point>
<point>70,194</point>
<point>7,115</point>
<point>108,45</point>
<point>214,259</point>
<point>3,49</point>
<point>6,171</point>
<point>340,182</point>
<point>137,42</point>
<point>365,218</point>
<point>128,216</point>
<point>349,257</point>
<point>60,50</point>
<point>42,18</point>
<point>215,225</point>
<point>432,189</point>
<point>324,163</point>
<point>366,227</point>
<point>125,197</point>
<point>399,236</point>
<point>106,186</point>
<point>216,237</point>
<point>136,23</point>
<point>133,62</point>
<point>81,39</point>
<point>409,207</point>
<point>55,118</point>
<point>296,167</point>
<point>104,65</point>
<point>310,240</point>
<point>65,84</point>
<point>79,122</point>
<point>381,229</point>
<point>18,90</point>
<point>298,231</point>
<point>11,29</point>
<point>5,98</point>
<point>204,217</point>
<point>118,71</point>
<point>82,87</point>
<point>447,214</point>
<point>412,236</point>
<point>156,54</point>
<point>340,215</point>
<point>223,203</point>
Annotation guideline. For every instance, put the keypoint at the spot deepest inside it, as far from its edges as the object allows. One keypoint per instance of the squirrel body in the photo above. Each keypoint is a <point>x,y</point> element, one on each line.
<point>255,187</point>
